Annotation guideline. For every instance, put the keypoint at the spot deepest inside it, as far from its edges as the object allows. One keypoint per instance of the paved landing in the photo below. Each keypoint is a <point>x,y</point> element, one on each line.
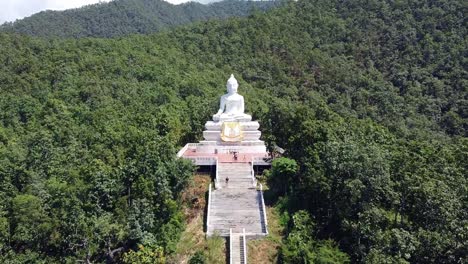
<point>225,157</point>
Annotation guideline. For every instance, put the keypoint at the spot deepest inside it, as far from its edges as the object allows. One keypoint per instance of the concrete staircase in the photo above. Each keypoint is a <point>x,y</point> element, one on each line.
<point>237,249</point>
<point>237,205</point>
<point>236,209</point>
<point>239,175</point>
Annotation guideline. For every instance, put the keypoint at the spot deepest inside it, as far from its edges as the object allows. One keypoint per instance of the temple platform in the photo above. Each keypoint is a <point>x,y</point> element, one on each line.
<point>202,158</point>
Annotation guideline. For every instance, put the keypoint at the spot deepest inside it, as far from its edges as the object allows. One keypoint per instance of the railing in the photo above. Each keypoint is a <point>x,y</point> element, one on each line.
<point>252,173</point>
<point>260,160</point>
<point>185,148</point>
<point>217,186</point>
<point>264,209</point>
<point>182,151</point>
<point>230,245</point>
<point>245,246</point>
<point>208,210</point>
<point>201,160</point>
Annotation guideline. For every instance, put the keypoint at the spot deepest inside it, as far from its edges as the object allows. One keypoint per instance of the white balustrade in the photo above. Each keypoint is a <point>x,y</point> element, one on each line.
<point>245,246</point>
<point>208,210</point>
<point>264,209</point>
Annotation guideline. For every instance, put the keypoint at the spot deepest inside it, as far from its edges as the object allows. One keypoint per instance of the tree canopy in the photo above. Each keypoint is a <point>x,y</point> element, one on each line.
<point>368,98</point>
<point>125,17</point>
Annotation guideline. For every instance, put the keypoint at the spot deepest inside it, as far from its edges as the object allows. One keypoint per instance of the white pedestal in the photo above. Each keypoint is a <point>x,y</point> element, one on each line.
<point>250,142</point>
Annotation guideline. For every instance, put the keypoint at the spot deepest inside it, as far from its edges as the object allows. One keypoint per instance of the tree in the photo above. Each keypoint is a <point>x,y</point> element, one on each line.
<point>30,224</point>
<point>282,176</point>
<point>145,255</point>
<point>301,247</point>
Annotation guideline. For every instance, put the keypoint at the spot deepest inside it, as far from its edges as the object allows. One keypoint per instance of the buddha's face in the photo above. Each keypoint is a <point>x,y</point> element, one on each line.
<point>232,85</point>
<point>231,88</point>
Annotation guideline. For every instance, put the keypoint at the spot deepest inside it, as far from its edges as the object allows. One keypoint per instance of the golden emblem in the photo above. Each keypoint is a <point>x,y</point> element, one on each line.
<point>231,132</point>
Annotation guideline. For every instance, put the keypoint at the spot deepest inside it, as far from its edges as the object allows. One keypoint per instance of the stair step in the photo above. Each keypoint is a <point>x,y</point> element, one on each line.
<point>236,205</point>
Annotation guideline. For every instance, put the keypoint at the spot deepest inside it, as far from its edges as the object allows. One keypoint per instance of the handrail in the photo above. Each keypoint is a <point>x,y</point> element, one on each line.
<point>208,210</point>
<point>245,246</point>
<point>217,186</point>
<point>230,245</point>
<point>261,161</point>
<point>252,173</point>
<point>201,160</point>
<point>264,209</point>
<point>182,150</point>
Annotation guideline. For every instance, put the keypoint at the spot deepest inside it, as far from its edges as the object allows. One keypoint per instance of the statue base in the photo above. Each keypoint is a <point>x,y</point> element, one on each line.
<point>247,141</point>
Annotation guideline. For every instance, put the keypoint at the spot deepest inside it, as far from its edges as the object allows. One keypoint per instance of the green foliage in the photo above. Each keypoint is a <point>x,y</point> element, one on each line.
<point>85,175</point>
<point>282,175</point>
<point>125,17</point>
<point>215,250</point>
<point>300,246</point>
<point>145,255</point>
<point>31,225</point>
<point>4,230</point>
<point>198,258</point>
<point>170,232</point>
<point>368,98</point>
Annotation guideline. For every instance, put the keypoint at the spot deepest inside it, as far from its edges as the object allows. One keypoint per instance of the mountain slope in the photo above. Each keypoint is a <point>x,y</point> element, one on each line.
<point>368,97</point>
<point>123,17</point>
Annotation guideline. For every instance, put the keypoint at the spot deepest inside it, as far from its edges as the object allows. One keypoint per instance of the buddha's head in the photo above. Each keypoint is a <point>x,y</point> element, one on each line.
<point>232,85</point>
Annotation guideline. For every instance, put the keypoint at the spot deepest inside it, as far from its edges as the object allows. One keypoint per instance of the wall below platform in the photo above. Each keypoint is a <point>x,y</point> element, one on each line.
<point>213,147</point>
<point>203,155</point>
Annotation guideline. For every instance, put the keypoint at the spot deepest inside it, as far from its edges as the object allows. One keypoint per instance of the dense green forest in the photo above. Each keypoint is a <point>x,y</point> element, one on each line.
<point>368,98</point>
<point>124,17</point>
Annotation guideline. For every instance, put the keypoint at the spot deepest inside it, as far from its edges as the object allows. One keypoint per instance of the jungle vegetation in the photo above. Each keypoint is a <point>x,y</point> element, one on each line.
<point>125,17</point>
<point>368,98</point>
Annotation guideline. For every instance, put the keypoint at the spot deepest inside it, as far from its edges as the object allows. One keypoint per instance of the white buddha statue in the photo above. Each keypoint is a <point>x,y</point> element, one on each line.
<point>231,107</point>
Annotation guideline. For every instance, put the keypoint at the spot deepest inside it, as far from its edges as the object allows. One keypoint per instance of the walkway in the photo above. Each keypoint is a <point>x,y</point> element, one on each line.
<point>237,249</point>
<point>236,204</point>
<point>236,208</point>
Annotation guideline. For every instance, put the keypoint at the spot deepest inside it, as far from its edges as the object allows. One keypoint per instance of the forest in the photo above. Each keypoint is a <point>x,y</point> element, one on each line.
<point>368,99</point>
<point>124,17</point>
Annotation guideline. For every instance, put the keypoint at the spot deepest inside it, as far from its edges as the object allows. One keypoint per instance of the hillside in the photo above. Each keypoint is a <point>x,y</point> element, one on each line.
<point>124,17</point>
<point>367,98</point>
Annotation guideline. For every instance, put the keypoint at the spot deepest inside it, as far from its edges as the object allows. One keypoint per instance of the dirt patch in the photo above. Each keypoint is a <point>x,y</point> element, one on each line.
<point>266,250</point>
<point>193,238</point>
<point>193,198</point>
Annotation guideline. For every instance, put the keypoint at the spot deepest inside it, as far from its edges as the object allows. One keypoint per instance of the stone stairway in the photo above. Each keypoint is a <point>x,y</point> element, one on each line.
<point>236,209</point>
<point>242,250</point>
<point>236,251</point>
<point>237,205</point>
<point>239,175</point>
